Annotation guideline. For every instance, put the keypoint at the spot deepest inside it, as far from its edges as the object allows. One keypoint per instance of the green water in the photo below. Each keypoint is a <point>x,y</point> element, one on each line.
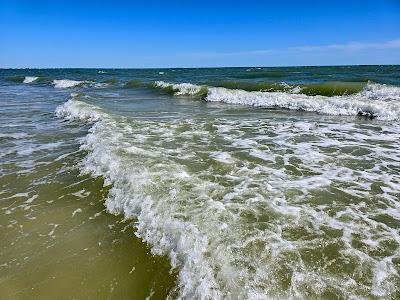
<point>57,239</point>
<point>238,183</point>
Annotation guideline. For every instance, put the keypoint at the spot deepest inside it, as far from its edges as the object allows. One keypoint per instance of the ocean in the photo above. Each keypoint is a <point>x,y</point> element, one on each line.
<point>218,183</point>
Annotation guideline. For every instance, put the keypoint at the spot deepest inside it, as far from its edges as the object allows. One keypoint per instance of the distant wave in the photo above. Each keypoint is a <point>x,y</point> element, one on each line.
<point>30,79</point>
<point>371,100</point>
<point>67,83</point>
<point>374,100</point>
<point>182,88</point>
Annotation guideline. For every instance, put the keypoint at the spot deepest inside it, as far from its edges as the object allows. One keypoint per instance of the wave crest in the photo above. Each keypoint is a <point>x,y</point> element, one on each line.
<point>339,105</point>
<point>184,244</point>
<point>182,89</point>
<point>74,109</point>
<point>30,79</point>
<point>66,83</point>
<point>382,92</point>
<point>374,101</point>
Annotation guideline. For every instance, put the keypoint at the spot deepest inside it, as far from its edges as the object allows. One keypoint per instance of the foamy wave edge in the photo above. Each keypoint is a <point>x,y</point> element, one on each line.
<point>181,89</point>
<point>375,101</point>
<point>182,242</point>
<point>30,79</point>
<point>68,83</point>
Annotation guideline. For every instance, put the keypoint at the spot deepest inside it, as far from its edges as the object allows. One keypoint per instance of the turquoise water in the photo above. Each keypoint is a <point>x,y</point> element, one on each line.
<point>238,183</point>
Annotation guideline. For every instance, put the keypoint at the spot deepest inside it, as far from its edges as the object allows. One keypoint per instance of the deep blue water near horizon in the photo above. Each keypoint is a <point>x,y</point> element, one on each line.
<point>388,74</point>
<point>212,183</point>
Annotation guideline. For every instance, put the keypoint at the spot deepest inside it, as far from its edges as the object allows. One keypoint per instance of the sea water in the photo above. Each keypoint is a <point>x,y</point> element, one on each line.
<point>229,183</point>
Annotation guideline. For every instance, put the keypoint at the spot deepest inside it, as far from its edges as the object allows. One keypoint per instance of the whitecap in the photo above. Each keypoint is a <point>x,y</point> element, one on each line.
<point>338,105</point>
<point>66,83</point>
<point>180,89</point>
<point>375,100</point>
<point>30,79</point>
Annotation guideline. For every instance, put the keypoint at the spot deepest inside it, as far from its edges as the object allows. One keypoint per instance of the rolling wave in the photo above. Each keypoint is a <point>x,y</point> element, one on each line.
<point>371,100</point>
<point>30,79</point>
<point>181,89</point>
<point>329,89</point>
<point>67,83</point>
<point>134,84</point>
<point>374,101</point>
<point>323,89</point>
<point>340,105</point>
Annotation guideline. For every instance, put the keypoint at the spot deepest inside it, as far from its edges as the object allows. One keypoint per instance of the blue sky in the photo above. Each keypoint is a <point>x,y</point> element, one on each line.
<point>198,33</point>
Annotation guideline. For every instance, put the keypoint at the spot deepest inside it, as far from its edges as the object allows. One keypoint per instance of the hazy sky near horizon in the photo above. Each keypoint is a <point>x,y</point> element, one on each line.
<point>198,33</point>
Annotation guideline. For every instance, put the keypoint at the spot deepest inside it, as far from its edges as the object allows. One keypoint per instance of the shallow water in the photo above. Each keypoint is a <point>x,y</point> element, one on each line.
<point>110,178</point>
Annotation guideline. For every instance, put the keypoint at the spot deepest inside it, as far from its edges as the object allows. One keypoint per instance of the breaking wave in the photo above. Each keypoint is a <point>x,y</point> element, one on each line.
<point>75,109</point>
<point>180,240</point>
<point>181,89</point>
<point>30,79</point>
<point>374,100</point>
<point>67,83</point>
<point>211,222</point>
<point>334,88</point>
<point>346,106</point>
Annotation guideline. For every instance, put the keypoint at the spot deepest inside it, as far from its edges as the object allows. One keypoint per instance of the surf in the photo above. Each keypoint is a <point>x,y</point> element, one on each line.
<point>230,231</point>
<point>374,100</point>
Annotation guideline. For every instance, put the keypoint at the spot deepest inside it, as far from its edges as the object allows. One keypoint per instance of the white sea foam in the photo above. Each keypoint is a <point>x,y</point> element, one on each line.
<point>78,210</point>
<point>180,88</point>
<point>30,79</point>
<point>339,105</point>
<point>249,229</point>
<point>27,148</point>
<point>222,157</point>
<point>66,83</point>
<point>382,92</point>
<point>376,100</point>
<point>75,109</point>
<point>182,241</point>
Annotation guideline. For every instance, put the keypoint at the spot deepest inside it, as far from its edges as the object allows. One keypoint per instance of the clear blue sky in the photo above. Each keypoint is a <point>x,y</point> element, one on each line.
<point>127,34</point>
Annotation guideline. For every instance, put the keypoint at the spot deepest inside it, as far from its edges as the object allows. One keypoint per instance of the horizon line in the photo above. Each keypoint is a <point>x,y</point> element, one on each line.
<point>207,67</point>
